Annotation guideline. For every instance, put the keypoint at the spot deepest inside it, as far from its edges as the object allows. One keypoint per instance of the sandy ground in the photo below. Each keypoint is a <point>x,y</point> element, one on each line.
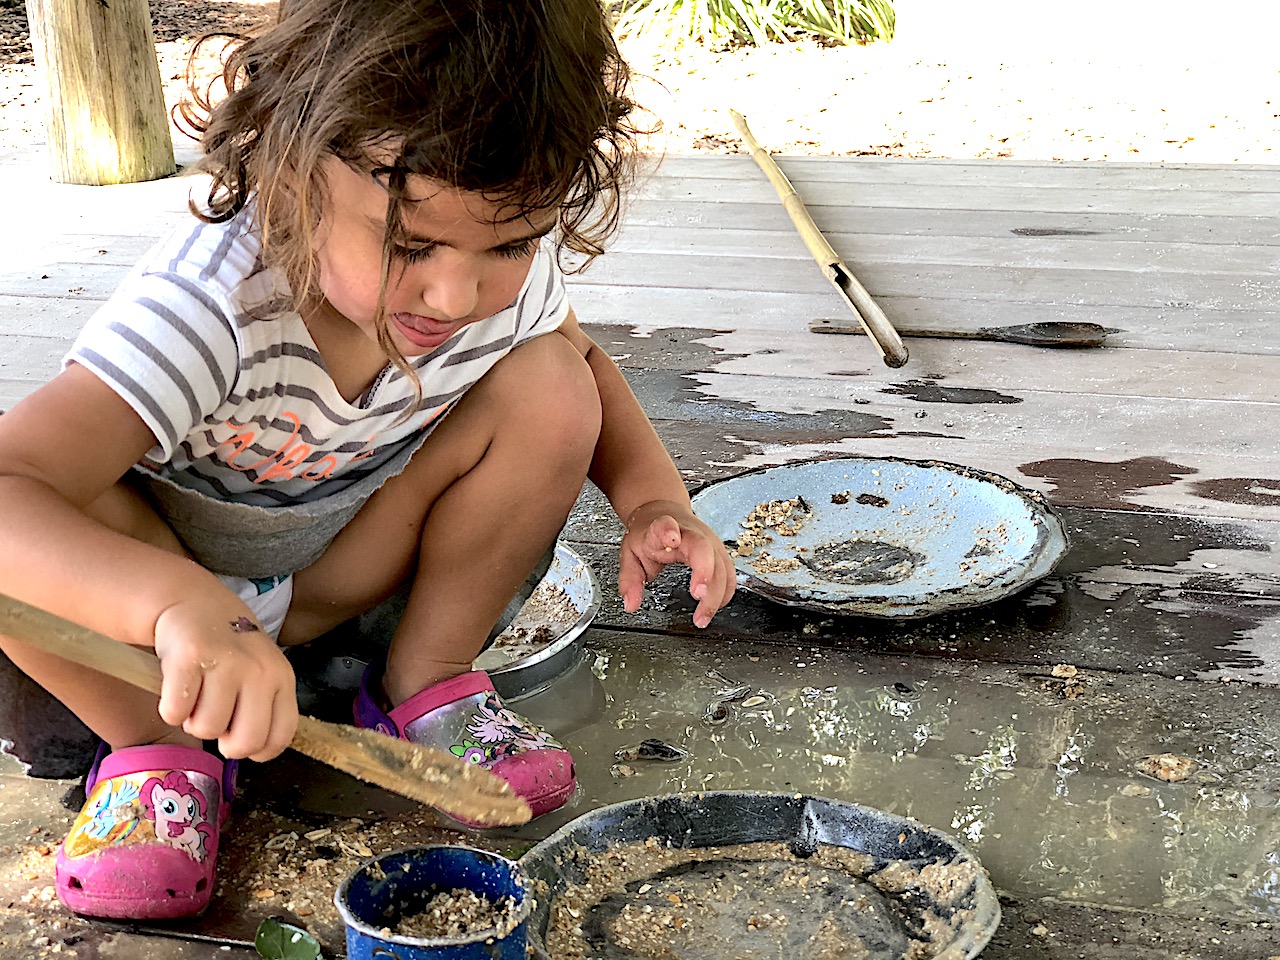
<point>1125,80</point>
<point>1118,80</point>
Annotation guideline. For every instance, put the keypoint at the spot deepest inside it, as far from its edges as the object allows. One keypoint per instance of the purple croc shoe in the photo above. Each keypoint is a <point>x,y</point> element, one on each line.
<point>464,716</point>
<point>145,843</point>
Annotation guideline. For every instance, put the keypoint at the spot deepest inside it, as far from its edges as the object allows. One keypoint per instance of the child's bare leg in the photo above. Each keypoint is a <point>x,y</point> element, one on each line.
<point>119,713</point>
<point>468,518</point>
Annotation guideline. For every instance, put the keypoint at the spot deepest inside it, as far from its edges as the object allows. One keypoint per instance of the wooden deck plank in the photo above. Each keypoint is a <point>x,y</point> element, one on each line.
<point>1107,255</point>
<point>1155,327</point>
<point>1000,424</point>
<point>1197,457</point>
<point>60,317</point>
<point>956,365</point>
<point>1127,176</point>
<point>1206,230</point>
<point>1195,426</point>
<point>991,283</point>
<point>1207,486</point>
<point>29,361</point>
<point>724,243</point>
<point>979,196</point>
<point>665,288</point>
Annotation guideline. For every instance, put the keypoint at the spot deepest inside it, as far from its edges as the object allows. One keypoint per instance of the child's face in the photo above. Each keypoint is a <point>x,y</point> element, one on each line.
<point>460,264</point>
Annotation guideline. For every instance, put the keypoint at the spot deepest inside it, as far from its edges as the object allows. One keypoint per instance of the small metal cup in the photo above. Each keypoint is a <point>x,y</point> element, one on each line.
<point>382,891</point>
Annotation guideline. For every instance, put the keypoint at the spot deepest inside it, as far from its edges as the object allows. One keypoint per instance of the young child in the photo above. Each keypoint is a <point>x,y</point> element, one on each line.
<point>356,371</point>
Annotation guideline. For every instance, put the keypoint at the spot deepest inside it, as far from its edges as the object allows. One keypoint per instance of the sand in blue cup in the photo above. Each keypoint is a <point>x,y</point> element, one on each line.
<point>375,897</point>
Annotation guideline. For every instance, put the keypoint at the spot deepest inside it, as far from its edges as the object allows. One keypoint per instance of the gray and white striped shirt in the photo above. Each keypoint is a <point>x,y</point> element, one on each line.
<point>203,342</point>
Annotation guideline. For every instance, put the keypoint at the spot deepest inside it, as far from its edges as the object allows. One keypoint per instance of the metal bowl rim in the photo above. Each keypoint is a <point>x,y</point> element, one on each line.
<point>564,554</point>
<point>986,910</point>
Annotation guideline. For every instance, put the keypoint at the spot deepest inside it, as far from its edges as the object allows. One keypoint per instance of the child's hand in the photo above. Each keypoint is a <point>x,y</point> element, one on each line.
<point>663,532</point>
<point>225,679</point>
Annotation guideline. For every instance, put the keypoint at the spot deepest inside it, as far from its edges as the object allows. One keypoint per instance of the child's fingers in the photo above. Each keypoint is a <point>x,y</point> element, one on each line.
<point>638,565</point>
<point>730,580</point>
<point>250,725</point>
<point>662,539</point>
<point>246,730</point>
<point>284,721</point>
<point>263,723</point>
<point>707,576</point>
<point>179,691</point>
<point>266,709</point>
<point>631,580</point>
<point>211,716</point>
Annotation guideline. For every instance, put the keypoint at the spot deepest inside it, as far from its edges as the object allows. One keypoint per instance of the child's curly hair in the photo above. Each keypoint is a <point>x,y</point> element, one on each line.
<point>524,101</point>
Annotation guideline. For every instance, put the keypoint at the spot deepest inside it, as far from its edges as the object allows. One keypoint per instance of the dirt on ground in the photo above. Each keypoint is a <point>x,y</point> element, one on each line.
<point>1094,80</point>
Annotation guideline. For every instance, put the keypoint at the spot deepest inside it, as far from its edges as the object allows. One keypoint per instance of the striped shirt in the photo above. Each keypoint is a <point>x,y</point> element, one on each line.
<point>204,343</point>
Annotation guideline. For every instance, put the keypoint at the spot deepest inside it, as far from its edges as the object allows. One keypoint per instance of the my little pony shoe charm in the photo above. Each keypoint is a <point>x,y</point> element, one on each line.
<point>146,841</point>
<point>465,717</point>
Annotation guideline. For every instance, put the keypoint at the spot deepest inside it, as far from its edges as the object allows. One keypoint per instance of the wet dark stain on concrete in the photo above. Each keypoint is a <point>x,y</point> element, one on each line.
<point>663,347</point>
<point>1096,483</point>
<point>928,391</point>
<point>699,430</point>
<point>1052,232</point>
<point>1150,541</point>
<point>707,451</point>
<point>1128,622</point>
<point>40,731</point>
<point>1249,491</point>
<point>661,369</point>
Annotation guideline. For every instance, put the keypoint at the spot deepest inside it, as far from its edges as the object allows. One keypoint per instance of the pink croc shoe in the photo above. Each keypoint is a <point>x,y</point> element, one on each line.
<point>464,716</point>
<point>145,842</point>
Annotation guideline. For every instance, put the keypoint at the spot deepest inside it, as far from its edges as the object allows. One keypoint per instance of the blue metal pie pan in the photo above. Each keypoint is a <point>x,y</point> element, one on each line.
<point>882,537</point>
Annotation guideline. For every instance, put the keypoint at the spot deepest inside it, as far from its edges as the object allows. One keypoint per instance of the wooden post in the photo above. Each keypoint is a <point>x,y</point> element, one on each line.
<point>106,118</point>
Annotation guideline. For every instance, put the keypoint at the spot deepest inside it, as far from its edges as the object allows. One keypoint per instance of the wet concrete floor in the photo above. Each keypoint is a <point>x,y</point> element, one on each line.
<point>957,721</point>
<point>1155,452</point>
<point>1043,788</point>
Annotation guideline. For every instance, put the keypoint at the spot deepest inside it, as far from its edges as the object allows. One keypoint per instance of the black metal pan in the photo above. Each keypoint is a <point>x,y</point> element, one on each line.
<point>791,903</point>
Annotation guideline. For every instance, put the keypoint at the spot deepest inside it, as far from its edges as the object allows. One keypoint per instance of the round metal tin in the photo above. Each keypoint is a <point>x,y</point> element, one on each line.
<point>545,638</point>
<point>882,537</point>
<point>521,661</point>
<point>964,920</point>
<point>382,891</point>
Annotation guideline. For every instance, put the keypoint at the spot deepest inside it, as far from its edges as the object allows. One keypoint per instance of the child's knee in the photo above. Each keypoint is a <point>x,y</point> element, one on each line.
<point>559,398</point>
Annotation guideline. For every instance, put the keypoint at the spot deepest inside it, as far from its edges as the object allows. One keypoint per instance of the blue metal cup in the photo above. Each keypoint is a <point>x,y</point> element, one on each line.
<point>398,884</point>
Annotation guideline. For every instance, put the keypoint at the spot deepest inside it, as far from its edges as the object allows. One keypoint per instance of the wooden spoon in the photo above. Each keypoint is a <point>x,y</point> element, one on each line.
<point>462,790</point>
<point>1047,333</point>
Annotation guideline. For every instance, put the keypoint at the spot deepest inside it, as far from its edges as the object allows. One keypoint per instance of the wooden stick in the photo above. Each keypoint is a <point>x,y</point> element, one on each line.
<point>877,326</point>
<point>434,777</point>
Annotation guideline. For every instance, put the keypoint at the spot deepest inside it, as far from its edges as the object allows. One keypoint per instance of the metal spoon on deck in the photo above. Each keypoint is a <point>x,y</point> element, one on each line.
<point>1050,333</point>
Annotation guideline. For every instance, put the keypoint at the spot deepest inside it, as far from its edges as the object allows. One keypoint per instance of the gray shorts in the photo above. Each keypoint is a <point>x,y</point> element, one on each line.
<point>244,540</point>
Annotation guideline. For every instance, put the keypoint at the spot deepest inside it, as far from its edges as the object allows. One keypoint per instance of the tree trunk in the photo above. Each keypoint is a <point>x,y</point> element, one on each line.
<point>106,118</point>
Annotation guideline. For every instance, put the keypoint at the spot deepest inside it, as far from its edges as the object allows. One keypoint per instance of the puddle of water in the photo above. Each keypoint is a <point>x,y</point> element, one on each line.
<point>1041,789</point>
<point>10,765</point>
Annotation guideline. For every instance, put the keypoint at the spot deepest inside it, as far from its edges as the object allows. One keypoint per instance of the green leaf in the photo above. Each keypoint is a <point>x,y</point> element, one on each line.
<point>281,941</point>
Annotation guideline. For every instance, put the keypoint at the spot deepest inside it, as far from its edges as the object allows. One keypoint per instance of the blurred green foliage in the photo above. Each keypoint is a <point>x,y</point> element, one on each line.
<point>755,21</point>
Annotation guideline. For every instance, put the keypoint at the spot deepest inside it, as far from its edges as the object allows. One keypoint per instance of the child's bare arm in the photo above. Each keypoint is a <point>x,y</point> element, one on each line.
<point>61,450</point>
<point>636,473</point>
